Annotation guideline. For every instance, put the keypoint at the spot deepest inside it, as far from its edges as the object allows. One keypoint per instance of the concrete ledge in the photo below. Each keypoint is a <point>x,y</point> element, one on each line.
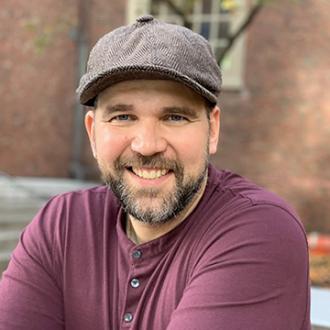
<point>320,308</point>
<point>5,256</point>
<point>39,188</point>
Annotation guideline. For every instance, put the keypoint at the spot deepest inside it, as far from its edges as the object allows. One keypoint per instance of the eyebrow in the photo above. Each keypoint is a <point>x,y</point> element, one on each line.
<point>118,108</point>
<point>186,111</point>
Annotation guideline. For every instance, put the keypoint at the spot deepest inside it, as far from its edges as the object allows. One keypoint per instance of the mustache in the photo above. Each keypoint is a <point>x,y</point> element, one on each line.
<point>155,161</point>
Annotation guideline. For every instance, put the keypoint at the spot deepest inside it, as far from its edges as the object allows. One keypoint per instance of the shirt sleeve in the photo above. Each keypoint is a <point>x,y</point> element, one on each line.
<point>30,293</point>
<point>252,275</point>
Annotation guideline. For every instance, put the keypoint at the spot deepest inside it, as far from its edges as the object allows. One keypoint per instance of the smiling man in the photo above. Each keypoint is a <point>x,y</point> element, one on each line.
<point>152,139</point>
<point>169,242</point>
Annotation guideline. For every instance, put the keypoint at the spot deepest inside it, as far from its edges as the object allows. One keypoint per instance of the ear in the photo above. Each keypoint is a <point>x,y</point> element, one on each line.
<point>214,130</point>
<point>90,128</point>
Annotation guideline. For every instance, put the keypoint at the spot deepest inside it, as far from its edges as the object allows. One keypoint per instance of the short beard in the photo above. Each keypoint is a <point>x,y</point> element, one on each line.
<point>172,204</point>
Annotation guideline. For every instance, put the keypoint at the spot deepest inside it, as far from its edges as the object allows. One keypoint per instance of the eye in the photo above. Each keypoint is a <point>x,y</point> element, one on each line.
<point>121,118</point>
<point>176,118</point>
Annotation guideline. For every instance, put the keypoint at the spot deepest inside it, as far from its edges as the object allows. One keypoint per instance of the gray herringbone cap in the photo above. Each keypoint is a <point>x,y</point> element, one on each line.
<point>151,49</point>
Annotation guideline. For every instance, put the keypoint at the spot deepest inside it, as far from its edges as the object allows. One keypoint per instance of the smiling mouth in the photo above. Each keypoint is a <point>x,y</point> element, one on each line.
<point>149,173</point>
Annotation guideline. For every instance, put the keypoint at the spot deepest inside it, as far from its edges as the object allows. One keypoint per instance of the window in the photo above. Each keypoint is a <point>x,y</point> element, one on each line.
<point>210,19</point>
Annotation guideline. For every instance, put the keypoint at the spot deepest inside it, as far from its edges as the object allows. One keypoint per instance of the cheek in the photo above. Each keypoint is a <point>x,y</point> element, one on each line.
<point>110,145</point>
<point>192,148</point>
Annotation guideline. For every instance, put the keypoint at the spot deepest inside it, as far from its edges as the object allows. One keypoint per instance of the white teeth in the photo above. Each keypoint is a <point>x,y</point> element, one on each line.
<point>149,173</point>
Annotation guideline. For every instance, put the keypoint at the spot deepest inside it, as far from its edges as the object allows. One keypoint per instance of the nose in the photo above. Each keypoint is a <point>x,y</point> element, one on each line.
<point>148,140</point>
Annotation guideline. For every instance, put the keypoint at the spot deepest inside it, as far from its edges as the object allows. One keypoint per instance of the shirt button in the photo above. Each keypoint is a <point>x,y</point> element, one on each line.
<point>128,317</point>
<point>135,283</point>
<point>137,254</point>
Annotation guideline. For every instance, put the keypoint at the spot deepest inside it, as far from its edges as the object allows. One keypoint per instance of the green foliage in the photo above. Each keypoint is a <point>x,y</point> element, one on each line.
<point>229,5</point>
<point>44,34</point>
<point>41,36</point>
<point>41,42</point>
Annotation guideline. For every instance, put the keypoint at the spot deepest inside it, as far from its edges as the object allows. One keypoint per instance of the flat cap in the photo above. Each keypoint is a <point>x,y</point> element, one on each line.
<point>151,49</point>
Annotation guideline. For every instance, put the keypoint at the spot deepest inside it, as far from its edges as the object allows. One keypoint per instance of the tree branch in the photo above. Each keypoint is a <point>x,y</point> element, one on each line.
<point>178,11</point>
<point>231,39</point>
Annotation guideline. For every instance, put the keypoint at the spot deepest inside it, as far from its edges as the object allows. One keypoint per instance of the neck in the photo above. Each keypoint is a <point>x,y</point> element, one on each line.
<point>139,232</point>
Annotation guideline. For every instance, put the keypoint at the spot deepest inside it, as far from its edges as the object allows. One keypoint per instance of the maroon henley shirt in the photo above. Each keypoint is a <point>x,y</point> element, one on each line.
<point>239,261</point>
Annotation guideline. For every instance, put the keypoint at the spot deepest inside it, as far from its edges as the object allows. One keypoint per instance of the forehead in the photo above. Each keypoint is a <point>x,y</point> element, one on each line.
<point>155,91</point>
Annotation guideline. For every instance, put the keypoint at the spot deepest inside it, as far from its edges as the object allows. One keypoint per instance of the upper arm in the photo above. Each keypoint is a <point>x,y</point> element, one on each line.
<point>30,296</point>
<point>254,275</point>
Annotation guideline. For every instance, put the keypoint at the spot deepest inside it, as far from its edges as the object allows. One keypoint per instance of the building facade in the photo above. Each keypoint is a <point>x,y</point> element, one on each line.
<point>275,102</point>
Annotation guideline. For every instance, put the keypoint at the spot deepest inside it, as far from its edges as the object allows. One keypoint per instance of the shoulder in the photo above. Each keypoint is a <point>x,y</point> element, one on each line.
<point>73,212</point>
<point>65,221</point>
<point>85,201</point>
<point>90,195</point>
<point>241,214</point>
<point>237,185</point>
<point>242,194</point>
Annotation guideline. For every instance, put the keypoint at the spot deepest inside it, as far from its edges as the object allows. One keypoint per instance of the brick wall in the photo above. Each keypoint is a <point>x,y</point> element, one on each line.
<point>37,74</point>
<point>38,69</point>
<point>275,131</point>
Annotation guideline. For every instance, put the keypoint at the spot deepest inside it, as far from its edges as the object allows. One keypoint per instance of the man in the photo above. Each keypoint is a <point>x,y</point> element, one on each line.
<point>170,242</point>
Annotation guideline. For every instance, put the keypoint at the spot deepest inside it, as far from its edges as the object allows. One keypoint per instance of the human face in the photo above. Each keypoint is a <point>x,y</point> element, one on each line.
<point>152,139</point>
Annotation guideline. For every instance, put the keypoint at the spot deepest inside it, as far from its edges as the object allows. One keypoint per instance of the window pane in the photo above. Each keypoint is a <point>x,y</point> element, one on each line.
<point>205,30</point>
<point>223,30</point>
<point>207,5</point>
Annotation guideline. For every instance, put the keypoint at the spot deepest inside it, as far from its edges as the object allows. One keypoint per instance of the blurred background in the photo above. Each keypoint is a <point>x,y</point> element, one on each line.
<point>275,100</point>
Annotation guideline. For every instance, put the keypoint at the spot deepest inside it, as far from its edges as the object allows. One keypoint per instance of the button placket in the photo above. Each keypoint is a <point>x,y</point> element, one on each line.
<point>132,290</point>
<point>136,255</point>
